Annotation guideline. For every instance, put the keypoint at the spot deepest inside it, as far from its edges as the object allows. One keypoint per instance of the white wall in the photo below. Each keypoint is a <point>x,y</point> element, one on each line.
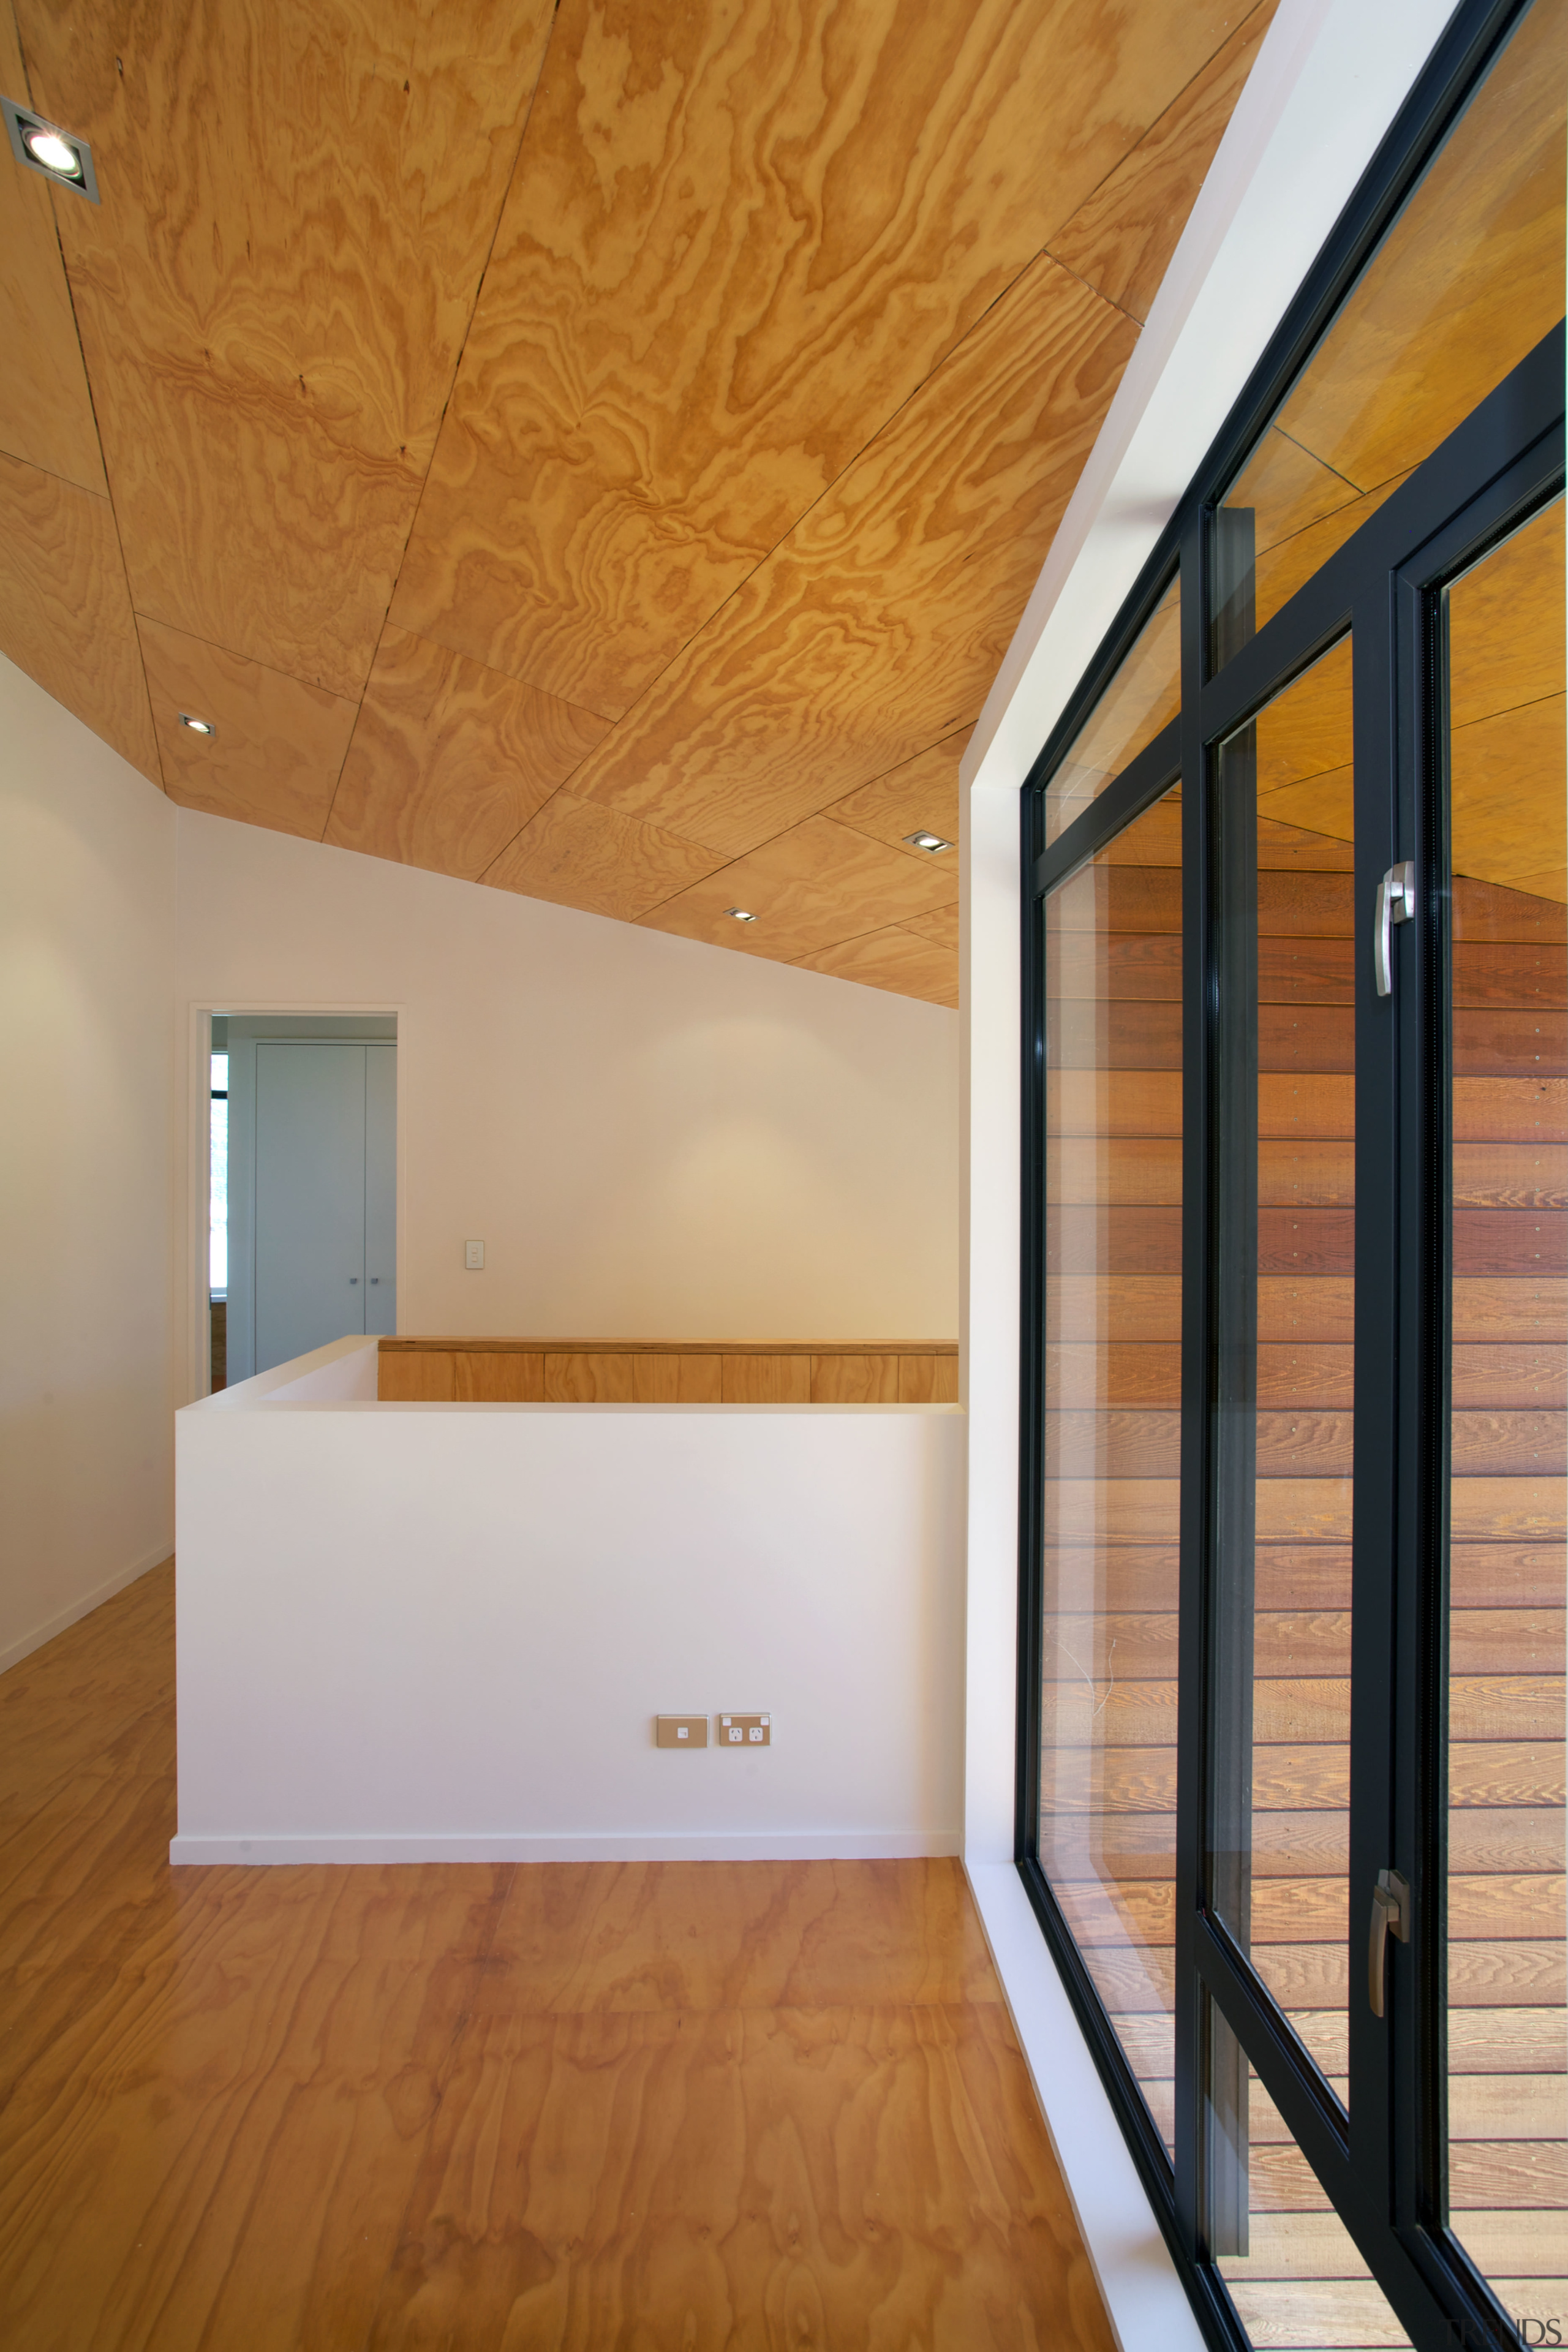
<point>421,1632</point>
<point>86,979</point>
<point>654,1138</point>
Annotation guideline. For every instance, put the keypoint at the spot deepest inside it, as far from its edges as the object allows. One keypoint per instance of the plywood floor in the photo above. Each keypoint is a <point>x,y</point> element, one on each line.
<point>649,2106</point>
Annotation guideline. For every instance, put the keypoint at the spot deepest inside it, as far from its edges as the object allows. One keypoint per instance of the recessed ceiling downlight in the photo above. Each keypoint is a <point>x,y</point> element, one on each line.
<point>740,915</point>
<point>44,147</point>
<point>928,841</point>
<point>197,726</point>
<point>55,153</point>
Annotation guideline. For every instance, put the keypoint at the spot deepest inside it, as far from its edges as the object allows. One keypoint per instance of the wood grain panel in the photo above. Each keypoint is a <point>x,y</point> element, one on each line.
<point>678,1380</point>
<point>1143,1171</point>
<point>64,610</point>
<point>919,796</point>
<point>293,2071</point>
<point>450,760</point>
<point>488,1376</point>
<point>898,959</point>
<point>928,1379</point>
<point>941,925</point>
<point>1505,624</point>
<point>1118,1372</point>
<point>581,855</point>
<point>590,1379</point>
<point>854,1379</point>
<point>1466,281</point>
<point>279,745</point>
<point>874,629</point>
<point>1506,796</point>
<point>816,885</point>
<point>1492,913</point>
<point>1121,241</point>
<point>637,2128</point>
<point>45,408</point>
<point>272,299</point>
<point>1503,1176</point>
<point>767,1379</point>
<point>416,1376</point>
<point>734,247</point>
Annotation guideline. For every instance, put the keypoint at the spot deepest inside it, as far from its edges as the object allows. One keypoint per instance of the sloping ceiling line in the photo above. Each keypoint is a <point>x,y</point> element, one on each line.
<point>602,454</point>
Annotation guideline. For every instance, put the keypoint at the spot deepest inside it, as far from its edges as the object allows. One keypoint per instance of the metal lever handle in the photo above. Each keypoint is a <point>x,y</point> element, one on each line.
<point>1390,1916</point>
<point>1395,903</point>
<point>354,1279</point>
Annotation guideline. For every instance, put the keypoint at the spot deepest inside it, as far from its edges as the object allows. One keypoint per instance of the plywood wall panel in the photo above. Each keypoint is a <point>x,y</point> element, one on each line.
<point>1121,241</point>
<point>280,744</point>
<point>64,611</point>
<point>816,884</point>
<point>920,795</point>
<point>581,855</point>
<point>299,197</point>
<point>46,409</point>
<point>737,242</point>
<point>450,760</point>
<point>897,958</point>
<point>875,628</point>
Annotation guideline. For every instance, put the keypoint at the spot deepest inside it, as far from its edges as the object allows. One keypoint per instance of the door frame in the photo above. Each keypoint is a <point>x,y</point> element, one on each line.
<point>192,1309</point>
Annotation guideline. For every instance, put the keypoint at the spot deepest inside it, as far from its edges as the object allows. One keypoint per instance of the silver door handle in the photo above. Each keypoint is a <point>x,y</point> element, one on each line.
<point>1390,1916</point>
<point>1395,903</point>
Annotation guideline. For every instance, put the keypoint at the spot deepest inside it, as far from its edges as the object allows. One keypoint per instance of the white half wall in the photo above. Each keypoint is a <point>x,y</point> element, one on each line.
<point>86,983</point>
<point>654,1138</point>
<point>425,1633</point>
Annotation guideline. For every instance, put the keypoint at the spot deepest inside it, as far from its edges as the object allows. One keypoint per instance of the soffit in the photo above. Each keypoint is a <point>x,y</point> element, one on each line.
<point>601,452</point>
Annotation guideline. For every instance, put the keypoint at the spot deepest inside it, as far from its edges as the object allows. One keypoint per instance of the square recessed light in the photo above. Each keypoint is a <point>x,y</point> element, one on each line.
<point>740,915</point>
<point>42,146</point>
<point>928,841</point>
<point>197,726</point>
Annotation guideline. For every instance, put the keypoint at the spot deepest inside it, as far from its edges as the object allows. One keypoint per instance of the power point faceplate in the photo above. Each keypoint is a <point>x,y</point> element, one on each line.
<point>745,1731</point>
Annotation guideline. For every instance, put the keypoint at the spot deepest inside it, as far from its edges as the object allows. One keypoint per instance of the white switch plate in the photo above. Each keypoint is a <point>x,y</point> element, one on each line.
<point>474,1257</point>
<point>745,1731</point>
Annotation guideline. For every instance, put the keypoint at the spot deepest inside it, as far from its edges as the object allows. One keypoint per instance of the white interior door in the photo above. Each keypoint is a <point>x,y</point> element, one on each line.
<point>309,1197</point>
<point>381,1189</point>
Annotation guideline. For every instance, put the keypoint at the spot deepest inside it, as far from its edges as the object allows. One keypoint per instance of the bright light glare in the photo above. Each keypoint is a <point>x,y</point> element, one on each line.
<point>55,153</point>
<point>739,914</point>
<point>197,726</point>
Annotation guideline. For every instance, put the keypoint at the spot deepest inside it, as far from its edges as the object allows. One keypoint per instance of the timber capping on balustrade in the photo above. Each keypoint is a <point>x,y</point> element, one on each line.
<point>667,1372</point>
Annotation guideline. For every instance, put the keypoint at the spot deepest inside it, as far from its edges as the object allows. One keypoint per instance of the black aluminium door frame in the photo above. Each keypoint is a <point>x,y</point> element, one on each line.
<point>1381,2167</point>
<point>1384,2168</point>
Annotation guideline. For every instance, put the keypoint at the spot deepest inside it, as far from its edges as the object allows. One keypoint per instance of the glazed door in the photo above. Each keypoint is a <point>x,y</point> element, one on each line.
<point>1371,2031</point>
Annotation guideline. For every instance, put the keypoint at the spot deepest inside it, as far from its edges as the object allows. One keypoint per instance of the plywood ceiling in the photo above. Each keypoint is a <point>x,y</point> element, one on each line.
<point>600,451</point>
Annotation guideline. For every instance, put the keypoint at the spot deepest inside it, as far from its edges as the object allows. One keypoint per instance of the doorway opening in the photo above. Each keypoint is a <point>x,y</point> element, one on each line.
<point>302,1242</point>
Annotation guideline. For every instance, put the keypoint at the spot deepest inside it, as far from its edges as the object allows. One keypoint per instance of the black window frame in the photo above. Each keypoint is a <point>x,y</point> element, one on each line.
<point>1502,461</point>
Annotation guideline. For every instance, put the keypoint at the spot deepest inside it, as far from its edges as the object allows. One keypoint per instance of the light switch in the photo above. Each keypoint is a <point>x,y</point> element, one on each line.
<point>474,1257</point>
<point>745,1731</point>
<point>681,1730</point>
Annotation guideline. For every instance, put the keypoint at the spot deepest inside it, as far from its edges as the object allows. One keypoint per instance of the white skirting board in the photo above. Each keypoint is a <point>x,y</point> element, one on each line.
<point>23,1646</point>
<point>806,1845</point>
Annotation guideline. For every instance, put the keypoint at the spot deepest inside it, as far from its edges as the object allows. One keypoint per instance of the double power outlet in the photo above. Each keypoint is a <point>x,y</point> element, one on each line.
<point>730,1730</point>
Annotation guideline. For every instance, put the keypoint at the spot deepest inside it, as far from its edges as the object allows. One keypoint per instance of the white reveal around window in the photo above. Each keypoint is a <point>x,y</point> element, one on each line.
<point>217,1253</point>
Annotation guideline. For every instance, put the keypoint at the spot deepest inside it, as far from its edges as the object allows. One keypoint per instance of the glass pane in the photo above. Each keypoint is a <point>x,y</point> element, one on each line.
<point>1279,1789</point>
<point>1468,281</point>
<point>1297,2278</point>
<point>1144,696</point>
<point>217,1246</point>
<point>1113,1433</point>
<point>1507,2026</point>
